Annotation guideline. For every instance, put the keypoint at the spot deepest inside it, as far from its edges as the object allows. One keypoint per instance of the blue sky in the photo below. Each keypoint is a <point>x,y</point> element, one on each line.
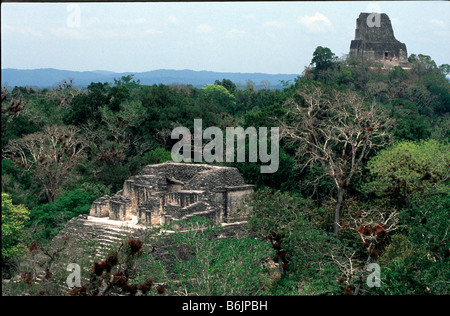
<point>269,37</point>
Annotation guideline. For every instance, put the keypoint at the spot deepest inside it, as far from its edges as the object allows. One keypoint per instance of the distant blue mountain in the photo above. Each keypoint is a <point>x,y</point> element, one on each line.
<point>48,77</point>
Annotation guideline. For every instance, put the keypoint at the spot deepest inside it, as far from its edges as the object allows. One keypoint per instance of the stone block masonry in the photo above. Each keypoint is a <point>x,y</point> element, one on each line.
<point>169,192</point>
<point>374,39</point>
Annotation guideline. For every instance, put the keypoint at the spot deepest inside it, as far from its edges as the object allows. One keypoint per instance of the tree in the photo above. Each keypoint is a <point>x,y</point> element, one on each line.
<point>219,95</point>
<point>422,64</point>
<point>409,123</point>
<point>323,58</point>
<point>228,84</point>
<point>335,129</point>
<point>410,169</point>
<point>49,155</point>
<point>14,218</point>
<point>363,70</point>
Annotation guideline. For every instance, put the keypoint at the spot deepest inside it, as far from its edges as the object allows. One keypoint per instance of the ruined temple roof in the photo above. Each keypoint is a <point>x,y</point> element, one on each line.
<point>372,32</point>
<point>194,176</point>
<point>214,178</point>
<point>374,39</point>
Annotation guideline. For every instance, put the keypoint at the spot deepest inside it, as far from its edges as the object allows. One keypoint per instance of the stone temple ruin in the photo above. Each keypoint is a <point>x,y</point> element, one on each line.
<point>374,39</point>
<point>169,192</point>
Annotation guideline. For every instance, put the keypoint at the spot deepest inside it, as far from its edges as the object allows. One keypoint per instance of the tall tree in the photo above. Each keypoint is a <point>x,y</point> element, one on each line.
<point>335,129</point>
<point>323,58</point>
<point>49,155</point>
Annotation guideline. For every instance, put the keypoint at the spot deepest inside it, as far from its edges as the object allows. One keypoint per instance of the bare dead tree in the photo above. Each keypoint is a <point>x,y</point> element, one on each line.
<point>64,92</point>
<point>336,129</point>
<point>49,155</point>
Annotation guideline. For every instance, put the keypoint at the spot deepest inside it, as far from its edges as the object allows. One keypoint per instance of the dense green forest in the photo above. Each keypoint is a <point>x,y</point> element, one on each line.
<point>363,177</point>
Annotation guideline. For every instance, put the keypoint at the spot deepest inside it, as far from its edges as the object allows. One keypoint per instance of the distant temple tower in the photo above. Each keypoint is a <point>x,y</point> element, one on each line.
<point>374,39</point>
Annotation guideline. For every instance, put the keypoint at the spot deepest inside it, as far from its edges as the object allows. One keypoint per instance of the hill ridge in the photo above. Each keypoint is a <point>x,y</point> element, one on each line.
<point>50,77</point>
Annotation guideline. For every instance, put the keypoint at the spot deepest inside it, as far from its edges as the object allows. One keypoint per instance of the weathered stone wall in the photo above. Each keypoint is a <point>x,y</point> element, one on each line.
<point>120,208</point>
<point>100,207</point>
<point>377,42</point>
<point>175,212</point>
<point>138,189</point>
<point>150,211</point>
<point>372,32</point>
<point>175,191</point>
<point>183,197</point>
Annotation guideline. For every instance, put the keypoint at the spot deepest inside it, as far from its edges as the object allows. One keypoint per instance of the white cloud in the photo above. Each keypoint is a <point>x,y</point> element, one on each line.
<point>235,33</point>
<point>318,23</point>
<point>204,28</point>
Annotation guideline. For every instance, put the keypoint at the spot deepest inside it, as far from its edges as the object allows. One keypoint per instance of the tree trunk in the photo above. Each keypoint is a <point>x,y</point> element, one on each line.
<point>338,210</point>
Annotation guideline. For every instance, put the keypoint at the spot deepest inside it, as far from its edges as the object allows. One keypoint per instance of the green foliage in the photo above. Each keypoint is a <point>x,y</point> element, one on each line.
<point>417,261</point>
<point>409,168</point>
<point>228,84</point>
<point>127,125</point>
<point>218,97</point>
<point>323,58</point>
<point>16,127</point>
<point>398,73</point>
<point>14,219</point>
<point>85,107</point>
<point>157,155</point>
<point>308,267</point>
<point>205,265</point>
<point>112,175</point>
<point>117,95</point>
<point>441,100</point>
<point>364,70</point>
<point>95,190</point>
<point>410,124</point>
<point>50,218</point>
<point>18,183</point>
<point>286,178</point>
<point>346,76</point>
<point>441,129</point>
<point>422,64</point>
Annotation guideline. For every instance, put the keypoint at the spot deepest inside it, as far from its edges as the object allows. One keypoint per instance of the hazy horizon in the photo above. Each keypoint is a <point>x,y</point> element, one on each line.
<point>152,70</point>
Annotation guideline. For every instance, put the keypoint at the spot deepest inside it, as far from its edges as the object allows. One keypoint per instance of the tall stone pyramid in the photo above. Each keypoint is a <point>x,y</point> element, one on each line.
<point>374,39</point>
